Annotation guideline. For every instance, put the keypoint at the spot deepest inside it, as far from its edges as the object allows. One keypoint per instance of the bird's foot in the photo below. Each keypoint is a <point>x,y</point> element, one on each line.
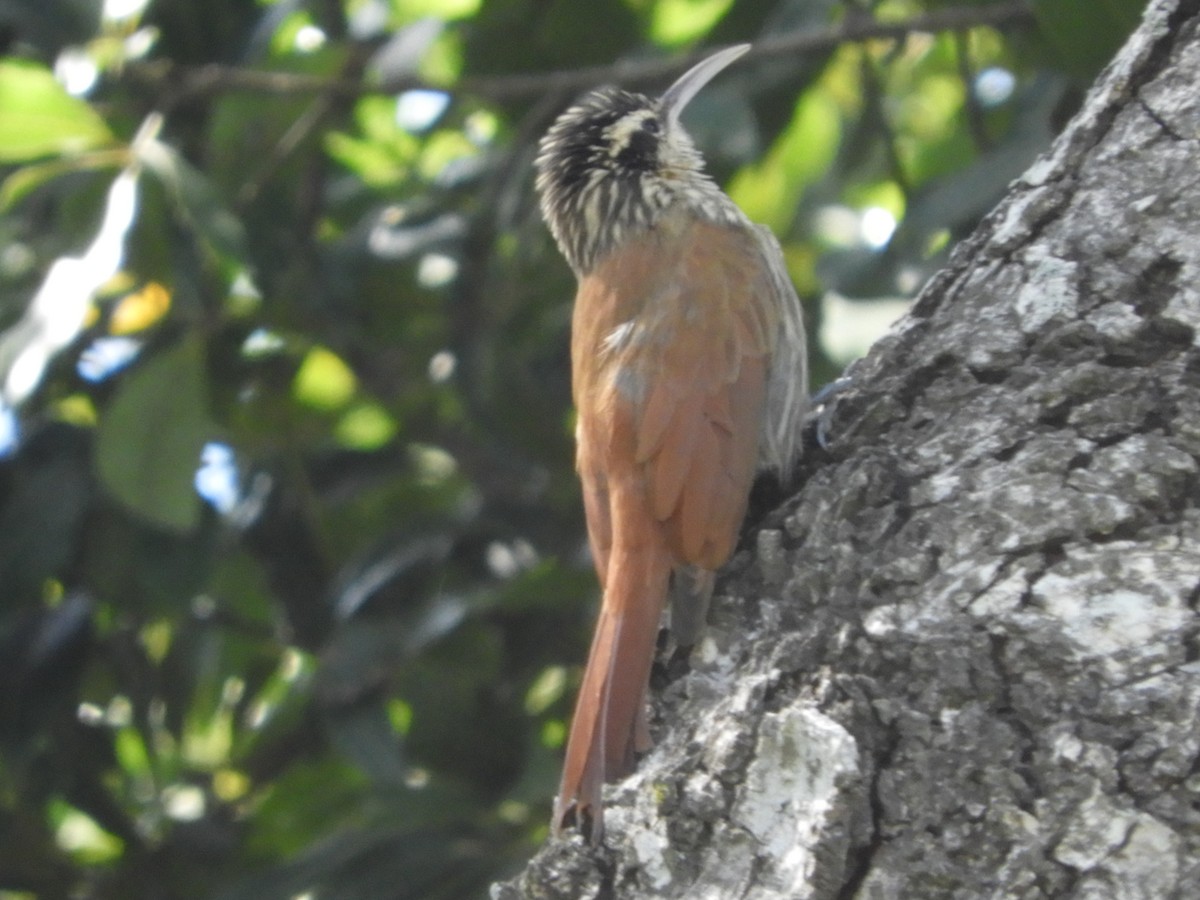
<point>823,402</point>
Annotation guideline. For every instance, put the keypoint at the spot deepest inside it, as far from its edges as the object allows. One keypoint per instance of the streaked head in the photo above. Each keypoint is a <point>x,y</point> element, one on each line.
<point>611,163</point>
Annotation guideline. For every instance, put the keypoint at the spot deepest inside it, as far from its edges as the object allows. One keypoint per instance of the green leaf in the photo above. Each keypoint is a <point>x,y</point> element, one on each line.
<point>197,202</point>
<point>1083,34</point>
<point>365,426</point>
<point>769,191</point>
<point>151,436</point>
<point>28,179</point>
<point>364,735</point>
<point>677,22</point>
<point>38,118</point>
<point>324,381</point>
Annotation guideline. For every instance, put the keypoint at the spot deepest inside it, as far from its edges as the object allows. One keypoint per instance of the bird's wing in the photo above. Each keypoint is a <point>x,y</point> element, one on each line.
<point>711,329</point>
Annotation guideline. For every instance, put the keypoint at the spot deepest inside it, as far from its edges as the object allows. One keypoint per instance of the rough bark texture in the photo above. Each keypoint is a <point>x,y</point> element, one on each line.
<point>963,660</point>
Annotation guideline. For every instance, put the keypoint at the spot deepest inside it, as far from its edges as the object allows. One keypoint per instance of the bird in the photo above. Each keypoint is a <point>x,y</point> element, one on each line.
<point>688,376</point>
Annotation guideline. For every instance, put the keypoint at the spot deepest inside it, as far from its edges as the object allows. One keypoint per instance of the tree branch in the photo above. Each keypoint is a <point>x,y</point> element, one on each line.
<point>190,82</point>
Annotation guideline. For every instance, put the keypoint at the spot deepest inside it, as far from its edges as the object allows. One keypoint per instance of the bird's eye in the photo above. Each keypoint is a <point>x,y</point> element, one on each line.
<point>650,126</point>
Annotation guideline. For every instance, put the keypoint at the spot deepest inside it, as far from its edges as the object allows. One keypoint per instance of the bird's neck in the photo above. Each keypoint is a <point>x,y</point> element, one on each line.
<point>629,214</point>
<point>698,195</point>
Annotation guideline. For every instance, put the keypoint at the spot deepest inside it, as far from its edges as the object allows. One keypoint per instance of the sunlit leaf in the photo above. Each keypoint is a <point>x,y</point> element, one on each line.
<point>374,164</point>
<point>886,194</point>
<point>131,752</point>
<point>230,785</point>
<point>441,9</point>
<point>365,426</point>
<point>39,118</point>
<point>287,37</point>
<point>443,149</point>
<point>139,310</point>
<point>677,22</point>
<point>400,715</point>
<point>81,836</point>
<point>324,381</point>
<point>77,409</point>
<point>383,153</point>
<point>156,639</point>
<point>769,192</point>
<point>547,689</point>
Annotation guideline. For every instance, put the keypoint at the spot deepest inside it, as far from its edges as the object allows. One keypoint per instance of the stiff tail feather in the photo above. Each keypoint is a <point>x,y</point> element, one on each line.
<point>609,725</point>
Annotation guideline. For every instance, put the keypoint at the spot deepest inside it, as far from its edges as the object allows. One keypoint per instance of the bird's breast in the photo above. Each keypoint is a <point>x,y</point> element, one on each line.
<point>659,306</point>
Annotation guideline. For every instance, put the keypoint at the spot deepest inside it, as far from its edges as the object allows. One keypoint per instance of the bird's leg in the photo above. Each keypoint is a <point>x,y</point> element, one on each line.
<point>691,591</point>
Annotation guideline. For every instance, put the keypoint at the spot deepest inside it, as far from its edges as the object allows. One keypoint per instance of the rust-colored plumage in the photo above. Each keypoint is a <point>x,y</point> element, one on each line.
<point>688,363</point>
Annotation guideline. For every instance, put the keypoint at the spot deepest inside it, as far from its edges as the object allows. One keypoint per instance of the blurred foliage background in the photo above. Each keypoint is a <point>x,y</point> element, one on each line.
<point>294,592</point>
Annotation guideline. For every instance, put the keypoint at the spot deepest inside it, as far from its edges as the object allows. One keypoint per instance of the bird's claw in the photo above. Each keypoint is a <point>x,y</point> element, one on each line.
<point>823,407</point>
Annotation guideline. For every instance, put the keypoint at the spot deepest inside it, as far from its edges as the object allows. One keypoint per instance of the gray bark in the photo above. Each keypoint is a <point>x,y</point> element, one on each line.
<point>963,660</point>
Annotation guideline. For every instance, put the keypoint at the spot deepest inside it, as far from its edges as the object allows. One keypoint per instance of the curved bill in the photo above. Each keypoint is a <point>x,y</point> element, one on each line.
<point>678,95</point>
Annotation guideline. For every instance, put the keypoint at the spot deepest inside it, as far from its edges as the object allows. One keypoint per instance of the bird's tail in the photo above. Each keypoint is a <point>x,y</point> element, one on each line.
<point>609,725</point>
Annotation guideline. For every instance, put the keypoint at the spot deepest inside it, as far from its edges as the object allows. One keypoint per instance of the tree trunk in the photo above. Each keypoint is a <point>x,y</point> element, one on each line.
<point>962,661</point>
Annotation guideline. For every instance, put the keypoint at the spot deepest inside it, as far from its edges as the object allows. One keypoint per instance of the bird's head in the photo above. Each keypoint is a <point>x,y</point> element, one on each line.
<point>612,163</point>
